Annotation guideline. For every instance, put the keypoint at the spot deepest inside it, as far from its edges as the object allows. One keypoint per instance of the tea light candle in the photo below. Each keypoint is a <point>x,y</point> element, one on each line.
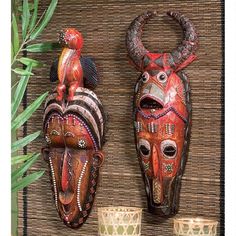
<point>195,226</point>
<point>119,221</point>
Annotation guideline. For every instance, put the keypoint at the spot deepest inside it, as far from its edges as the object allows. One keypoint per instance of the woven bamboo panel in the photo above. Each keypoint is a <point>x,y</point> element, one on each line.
<point>104,25</point>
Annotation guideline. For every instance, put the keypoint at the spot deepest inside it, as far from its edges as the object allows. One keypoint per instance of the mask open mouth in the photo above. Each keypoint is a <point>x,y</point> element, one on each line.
<point>150,103</point>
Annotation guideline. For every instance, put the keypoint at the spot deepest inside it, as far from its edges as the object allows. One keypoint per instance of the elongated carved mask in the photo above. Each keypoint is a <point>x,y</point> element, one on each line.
<point>74,131</point>
<point>162,112</point>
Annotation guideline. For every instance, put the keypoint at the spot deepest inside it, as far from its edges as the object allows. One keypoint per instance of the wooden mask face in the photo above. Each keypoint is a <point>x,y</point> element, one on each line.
<point>161,130</point>
<point>74,133</point>
<point>161,114</point>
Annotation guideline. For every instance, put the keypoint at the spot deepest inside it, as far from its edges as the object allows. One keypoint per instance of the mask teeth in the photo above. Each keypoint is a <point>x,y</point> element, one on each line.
<point>156,186</point>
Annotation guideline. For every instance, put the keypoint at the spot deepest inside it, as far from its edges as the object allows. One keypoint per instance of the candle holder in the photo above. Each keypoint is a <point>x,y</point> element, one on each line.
<point>195,226</point>
<point>118,221</point>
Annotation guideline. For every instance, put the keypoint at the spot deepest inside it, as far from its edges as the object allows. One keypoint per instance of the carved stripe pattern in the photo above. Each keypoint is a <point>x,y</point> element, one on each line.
<point>156,191</point>
<point>53,181</point>
<point>79,184</point>
<point>138,126</point>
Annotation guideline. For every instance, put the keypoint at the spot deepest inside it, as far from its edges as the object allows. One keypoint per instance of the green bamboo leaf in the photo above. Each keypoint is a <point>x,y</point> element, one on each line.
<point>20,71</point>
<point>31,7</point>
<point>27,61</point>
<point>24,141</point>
<point>42,47</point>
<point>25,18</point>
<point>16,42</point>
<point>46,19</point>
<point>23,168</point>
<point>24,182</point>
<point>20,90</point>
<point>19,159</point>
<point>35,14</point>
<point>27,113</point>
<point>12,52</point>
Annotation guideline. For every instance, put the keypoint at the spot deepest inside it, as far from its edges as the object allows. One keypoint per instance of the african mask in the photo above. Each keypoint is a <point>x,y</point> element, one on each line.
<point>162,112</point>
<point>73,128</point>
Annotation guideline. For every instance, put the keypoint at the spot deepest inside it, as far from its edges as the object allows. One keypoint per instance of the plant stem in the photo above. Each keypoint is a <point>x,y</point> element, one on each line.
<point>14,195</point>
<point>19,50</point>
<point>14,200</point>
<point>14,213</point>
<point>25,150</point>
<point>27,40</point>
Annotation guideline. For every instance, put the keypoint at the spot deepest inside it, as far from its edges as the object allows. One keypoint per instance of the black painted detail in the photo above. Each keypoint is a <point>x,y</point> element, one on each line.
<point>91,77</point>
<point>146,61</point>
<point>169,151</point>
<point>149,103</point>
<point>53,71</point>
<point>159,61</point>
<point>144,150</point>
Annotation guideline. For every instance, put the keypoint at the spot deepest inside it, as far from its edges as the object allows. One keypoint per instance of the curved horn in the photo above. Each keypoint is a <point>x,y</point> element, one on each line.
<point>136,50</point>
<point>190,42</point>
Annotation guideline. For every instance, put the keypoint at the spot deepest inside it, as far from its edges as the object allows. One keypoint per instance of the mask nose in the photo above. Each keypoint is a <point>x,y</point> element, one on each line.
<point>155,161</point>
<point>65,171</point>
<point>157,183</point>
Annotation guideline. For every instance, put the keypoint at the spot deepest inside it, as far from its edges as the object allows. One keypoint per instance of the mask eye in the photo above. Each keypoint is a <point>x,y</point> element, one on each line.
<point>144,147</point>
<point>145,77</point>
<point>82,144</point>
<point>55,132</point>
<point>162,77</point>
<point>169,149</point>
<point>69,134</point>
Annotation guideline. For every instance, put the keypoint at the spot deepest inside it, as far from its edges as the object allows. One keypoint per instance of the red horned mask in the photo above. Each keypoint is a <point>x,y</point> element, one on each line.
<point>162,113</point>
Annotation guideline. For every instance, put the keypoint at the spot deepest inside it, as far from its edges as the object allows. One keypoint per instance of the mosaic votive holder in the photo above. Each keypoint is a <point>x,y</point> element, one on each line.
<point>195,226</point>
<point>117,221</point>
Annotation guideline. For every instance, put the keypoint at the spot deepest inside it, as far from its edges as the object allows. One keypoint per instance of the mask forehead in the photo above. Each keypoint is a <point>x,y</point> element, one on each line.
<point>76,133</point>
<point>153,63</point>
<point>54,130</point>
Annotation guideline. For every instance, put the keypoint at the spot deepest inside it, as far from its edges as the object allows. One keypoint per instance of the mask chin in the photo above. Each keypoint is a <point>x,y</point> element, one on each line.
<point>169,205</point>
<point>77,169</point>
